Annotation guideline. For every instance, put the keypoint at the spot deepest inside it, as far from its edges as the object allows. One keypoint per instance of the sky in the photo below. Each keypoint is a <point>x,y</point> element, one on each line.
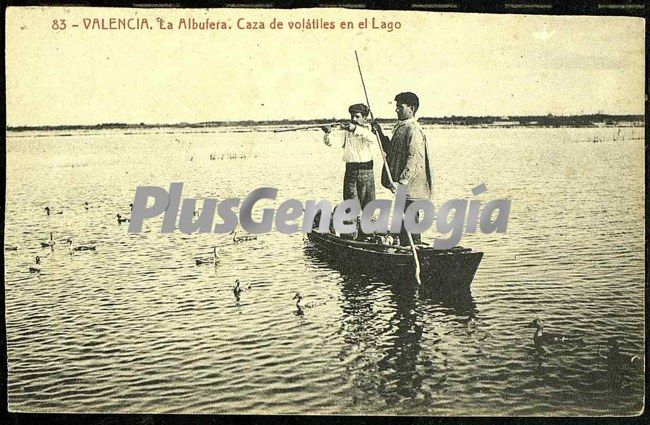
<point>458,64</point>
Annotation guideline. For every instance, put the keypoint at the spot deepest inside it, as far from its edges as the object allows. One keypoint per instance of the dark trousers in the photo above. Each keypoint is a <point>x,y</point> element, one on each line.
<point>359,182</point>
<point>403,237</point>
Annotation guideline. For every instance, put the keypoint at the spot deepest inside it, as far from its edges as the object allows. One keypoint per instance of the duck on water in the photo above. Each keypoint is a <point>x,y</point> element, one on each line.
<point>239,239</point>
<point>49,211</point>
<point>544,338</point>
<point>213,260</point>
<point>80,247</point>
<point>34,269</point>
<point>238,289</point>
<point>48,244</point>
<point>298,297</point>
<point>616,359</point>
<point>124,218</point>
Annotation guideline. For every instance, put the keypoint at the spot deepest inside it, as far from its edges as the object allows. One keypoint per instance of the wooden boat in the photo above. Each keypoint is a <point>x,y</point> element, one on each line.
<point>450,270</point>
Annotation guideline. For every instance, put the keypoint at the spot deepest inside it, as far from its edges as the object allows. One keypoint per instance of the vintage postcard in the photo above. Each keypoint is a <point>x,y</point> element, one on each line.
<point>324,211</point>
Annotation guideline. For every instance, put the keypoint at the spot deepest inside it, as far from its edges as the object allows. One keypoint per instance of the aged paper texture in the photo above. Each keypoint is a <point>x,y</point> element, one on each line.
<point>137,282</point>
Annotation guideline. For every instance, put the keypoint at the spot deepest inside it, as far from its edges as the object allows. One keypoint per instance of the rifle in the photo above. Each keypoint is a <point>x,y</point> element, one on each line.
<point>307,127</point>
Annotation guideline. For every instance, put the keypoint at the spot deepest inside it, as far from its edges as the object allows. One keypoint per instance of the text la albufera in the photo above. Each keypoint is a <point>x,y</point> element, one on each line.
<point>275,24</point>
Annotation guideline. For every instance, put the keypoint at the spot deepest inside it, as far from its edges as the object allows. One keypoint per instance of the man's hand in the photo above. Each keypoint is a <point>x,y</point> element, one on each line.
<point>393,188</point>
<point>326,128</point>
<point>349,126</point>
<point>376,128</point>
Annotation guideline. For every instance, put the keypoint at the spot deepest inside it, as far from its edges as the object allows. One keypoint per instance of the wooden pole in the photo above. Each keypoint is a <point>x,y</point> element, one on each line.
<point>390,178</point>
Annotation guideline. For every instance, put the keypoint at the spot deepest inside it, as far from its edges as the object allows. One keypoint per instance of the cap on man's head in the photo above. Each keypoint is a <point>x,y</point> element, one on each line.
<point>410,99</point>
<point>359,107</point>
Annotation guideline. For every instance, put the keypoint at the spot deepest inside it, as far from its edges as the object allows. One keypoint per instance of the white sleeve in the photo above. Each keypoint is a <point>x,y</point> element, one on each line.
<point>365,133</point>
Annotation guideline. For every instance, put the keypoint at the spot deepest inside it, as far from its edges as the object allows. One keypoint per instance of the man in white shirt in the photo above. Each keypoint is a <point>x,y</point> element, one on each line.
<point>358,142</point>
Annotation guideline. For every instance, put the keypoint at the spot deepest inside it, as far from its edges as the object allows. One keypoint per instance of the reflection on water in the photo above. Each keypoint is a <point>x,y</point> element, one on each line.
<point>390,364</point>
<point>137,326</point>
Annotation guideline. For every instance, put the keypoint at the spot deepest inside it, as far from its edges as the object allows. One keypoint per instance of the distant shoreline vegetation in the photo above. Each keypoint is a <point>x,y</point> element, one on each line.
<point>594,120</point>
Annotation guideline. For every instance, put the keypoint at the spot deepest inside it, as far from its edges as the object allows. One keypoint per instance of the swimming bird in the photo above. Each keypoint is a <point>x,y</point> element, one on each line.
<point>299,311</point>
<point>237,290</point>
<point>214,260</point>
<point>36,269</point>
<point>48,244</point>
<point>80,247</point>
<point>121,219</point>
<point>49,211</point>
<point>617,359</point>
<point>540,337</point>
<point>298,296</point>
<point>11,248</point>
<point>311,304</point>
<point>238,239</point>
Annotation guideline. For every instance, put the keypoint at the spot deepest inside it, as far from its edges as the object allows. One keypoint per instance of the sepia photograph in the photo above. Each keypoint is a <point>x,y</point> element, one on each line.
<point>324,211</point>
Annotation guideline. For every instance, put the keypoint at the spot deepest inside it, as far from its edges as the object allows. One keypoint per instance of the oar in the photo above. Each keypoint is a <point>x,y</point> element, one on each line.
<point>390,178</point>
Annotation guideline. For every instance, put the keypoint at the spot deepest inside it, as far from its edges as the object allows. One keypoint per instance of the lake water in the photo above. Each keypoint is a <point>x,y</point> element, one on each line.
<point>137,327</point>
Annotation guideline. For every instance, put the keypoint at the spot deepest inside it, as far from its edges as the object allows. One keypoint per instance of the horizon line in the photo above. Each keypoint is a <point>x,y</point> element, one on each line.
<point>313,120</point>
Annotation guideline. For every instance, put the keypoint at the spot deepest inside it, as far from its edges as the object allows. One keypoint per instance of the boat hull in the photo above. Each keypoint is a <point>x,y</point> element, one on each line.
<point>441,270</point>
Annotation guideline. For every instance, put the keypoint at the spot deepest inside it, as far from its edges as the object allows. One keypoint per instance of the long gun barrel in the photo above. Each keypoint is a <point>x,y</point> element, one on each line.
<point>306,127</point>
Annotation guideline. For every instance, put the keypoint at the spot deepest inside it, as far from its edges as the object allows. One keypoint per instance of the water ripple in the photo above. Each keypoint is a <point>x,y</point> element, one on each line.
<point>137,327</point>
